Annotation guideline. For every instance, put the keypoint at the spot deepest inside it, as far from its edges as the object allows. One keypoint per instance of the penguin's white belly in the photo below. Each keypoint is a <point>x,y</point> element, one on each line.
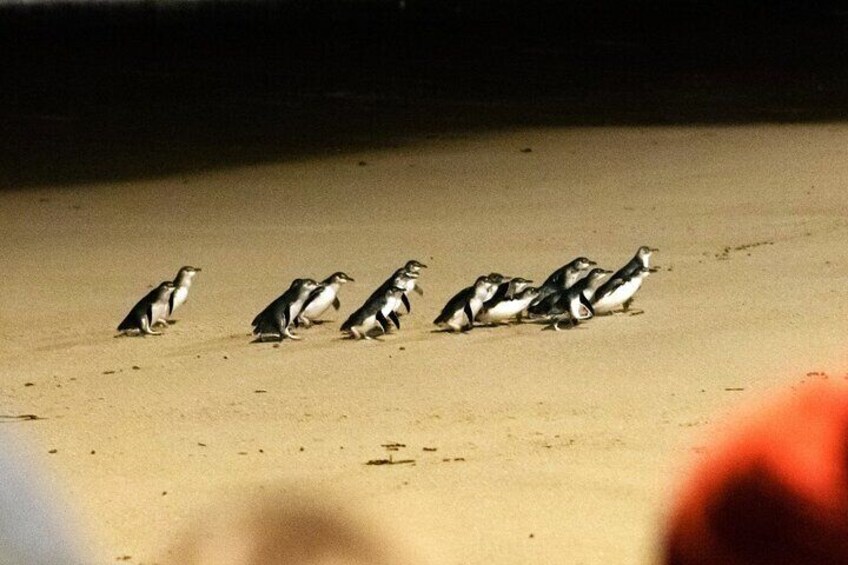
<point>618,297</point>
<point>366,325</point>
<point>391,305</point>
<point>503,310</point>
<point>180,296</point>
<point>320,304</point>
<point>160,312</point>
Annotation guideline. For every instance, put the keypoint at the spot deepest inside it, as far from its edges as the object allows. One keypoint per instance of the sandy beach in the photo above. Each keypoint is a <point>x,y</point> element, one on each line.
<point>529,446</point>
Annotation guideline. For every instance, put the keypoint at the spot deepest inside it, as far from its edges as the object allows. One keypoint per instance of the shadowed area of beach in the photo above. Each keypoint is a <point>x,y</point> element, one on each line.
<point>134,90</point>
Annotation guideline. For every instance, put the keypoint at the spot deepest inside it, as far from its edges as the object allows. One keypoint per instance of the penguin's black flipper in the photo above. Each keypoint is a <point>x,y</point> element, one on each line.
<point>336,303</point>
<point>171,303</point>
<point>499,295</point>
<point>405,300</point>
<point>149,314</point>
<point>468,313</point>
<point>383,322</point>
<point>587,304</point>
<point>394,318</point>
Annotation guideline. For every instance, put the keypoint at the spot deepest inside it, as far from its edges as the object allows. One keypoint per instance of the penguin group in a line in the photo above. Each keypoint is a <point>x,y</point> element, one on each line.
<point>573,293</point>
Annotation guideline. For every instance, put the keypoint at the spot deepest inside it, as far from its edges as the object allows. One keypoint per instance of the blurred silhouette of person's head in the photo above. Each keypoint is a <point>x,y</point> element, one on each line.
<point>296,530</point>
<point>773,490</point>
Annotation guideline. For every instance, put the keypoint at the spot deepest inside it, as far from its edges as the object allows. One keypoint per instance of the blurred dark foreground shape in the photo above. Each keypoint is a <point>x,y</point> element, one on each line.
<point>774,491</point>
<point>290,530</point>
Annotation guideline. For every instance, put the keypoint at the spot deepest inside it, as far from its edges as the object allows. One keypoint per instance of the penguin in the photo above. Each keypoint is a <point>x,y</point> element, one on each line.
<point>182,283</point>
<point>461,310</point>
<point>565,276</point>
<point>370,316</point>
<point>572,306</point>
<point>405,277</point>
<point>148,311</point>
<point>618,291</point>
<point>278,317</point>
<point>564,299</point>
<point>508,307</point>
<point>323,297</point>
<point>414,267</point>
<point>506,290</point>
<point>642,258</point>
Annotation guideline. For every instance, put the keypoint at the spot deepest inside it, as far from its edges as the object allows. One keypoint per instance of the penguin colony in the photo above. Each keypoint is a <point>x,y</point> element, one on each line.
<point>572,294</point>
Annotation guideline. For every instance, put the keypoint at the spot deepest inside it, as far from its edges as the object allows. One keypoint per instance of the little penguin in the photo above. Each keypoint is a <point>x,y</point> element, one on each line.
<point>278,317</point>
<point>566,299</point>
<point>403,277</point>
<point>642,258</point>
<point>148,311</point>
<point>370,316</point>
<point>182,284</point>
<point>508,308</point>
<point>461,310</point>
<point>618,291</point>
<point>565,276</point>
<point>320,299</point>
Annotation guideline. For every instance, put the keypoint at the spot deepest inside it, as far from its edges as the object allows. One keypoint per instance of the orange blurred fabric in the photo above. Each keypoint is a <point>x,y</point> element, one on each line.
<point>774,491</point>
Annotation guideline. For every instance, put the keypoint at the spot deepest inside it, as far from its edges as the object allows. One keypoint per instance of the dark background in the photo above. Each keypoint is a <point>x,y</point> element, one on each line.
<point>104,91</point>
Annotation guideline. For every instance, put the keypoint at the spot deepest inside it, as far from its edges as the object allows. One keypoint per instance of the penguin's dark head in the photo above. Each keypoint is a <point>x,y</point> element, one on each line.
<point>497,278</point>
<point>597,273</point>
<point>340,277</point>
<point>414,266</point>
<point>166,287</point>
<point>185,274</point>
<point>530,292</point>
<point>582,263</point>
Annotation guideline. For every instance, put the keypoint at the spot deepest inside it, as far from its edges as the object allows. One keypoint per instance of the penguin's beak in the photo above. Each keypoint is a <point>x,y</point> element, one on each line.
<point>349,279</point>
<point>653,249</point>
<point>197,269</point>
<point>653,269</point>
<point>592,263</point>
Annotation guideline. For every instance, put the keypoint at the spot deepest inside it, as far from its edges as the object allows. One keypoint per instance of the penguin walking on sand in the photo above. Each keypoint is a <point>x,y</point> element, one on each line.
<point>461,310</point>
<point>277,319</point>
<point>565,276</point>
<point>642,258</point>
<point>364,322</point>
<point>575,303</point>
<point>320,299</point>
<point>182,284</point>
<point>507,308</point>
<point>150,310</point>
<point>618,291</point>
<point>410,273</point>
<point>505,291</point>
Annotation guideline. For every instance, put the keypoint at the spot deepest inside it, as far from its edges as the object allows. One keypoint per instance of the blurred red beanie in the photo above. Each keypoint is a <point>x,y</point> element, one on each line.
<point>773,491</point>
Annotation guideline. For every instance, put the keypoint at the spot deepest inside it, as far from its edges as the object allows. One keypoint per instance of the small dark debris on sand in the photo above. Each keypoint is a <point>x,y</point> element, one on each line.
<point>109,372</point>
<point>734,388</point>
<point>29,384</point>
<point>19,417</point>
<point>430,449</point>
<point>136,368</point>
<point>393,446</point>
<point>390,461</point>
<point>260,391</point>
<point>52,451</point>
<point>527,150</point>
